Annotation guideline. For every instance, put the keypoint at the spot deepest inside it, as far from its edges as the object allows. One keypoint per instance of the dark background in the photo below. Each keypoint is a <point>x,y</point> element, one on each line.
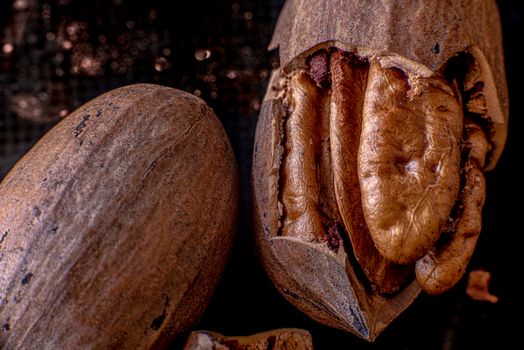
<point>56,55</point>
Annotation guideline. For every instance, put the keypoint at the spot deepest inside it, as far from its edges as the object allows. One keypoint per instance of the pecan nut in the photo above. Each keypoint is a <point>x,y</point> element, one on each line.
<point>108,222</point>
<point>370,151</point>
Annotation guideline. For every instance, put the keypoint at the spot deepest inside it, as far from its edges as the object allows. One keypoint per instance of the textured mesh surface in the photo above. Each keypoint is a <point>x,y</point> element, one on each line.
<point>56,55</point>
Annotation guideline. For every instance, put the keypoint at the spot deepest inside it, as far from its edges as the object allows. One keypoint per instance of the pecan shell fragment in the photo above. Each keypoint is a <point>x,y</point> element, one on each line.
<point>276,339</point>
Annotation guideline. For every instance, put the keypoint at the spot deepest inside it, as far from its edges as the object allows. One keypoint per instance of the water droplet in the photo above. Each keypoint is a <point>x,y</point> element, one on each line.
<point>67,45</point>
<point>197,93</point>
<point>202,54</point>
<point>20,5</point>
<point>161,64</point>
<point>73,28</point>
<point>8,48</point>
<point>88,65</point>
<point>248,16</point>
<point>231,74</point>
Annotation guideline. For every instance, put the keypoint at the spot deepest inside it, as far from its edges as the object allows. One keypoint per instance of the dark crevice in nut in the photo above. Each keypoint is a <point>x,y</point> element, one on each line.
<point>465,71</point>
<point>349,81</point>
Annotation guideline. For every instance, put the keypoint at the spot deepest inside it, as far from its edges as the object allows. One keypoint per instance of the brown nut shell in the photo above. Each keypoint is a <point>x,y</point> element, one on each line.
<point>116,225</point>
<point>421,34</point>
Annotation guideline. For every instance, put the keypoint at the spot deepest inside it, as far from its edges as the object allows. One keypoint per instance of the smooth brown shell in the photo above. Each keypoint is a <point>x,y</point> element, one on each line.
<point>419,34</point>
<point>116,225</point>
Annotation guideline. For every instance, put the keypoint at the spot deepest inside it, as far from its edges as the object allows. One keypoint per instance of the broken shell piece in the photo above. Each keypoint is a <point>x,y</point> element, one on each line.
<point>278,339</point>
<point>478,284</point>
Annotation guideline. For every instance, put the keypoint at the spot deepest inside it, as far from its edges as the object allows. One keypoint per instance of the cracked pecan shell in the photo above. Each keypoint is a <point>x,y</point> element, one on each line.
<point>370,151</point>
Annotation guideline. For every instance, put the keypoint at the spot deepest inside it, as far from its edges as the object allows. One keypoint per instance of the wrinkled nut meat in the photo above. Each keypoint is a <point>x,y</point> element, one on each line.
<point>116,225</point>
<point>370,151</point>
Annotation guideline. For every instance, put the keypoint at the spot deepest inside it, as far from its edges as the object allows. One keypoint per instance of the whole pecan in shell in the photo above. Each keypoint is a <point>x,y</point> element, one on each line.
<point>116,225</point>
